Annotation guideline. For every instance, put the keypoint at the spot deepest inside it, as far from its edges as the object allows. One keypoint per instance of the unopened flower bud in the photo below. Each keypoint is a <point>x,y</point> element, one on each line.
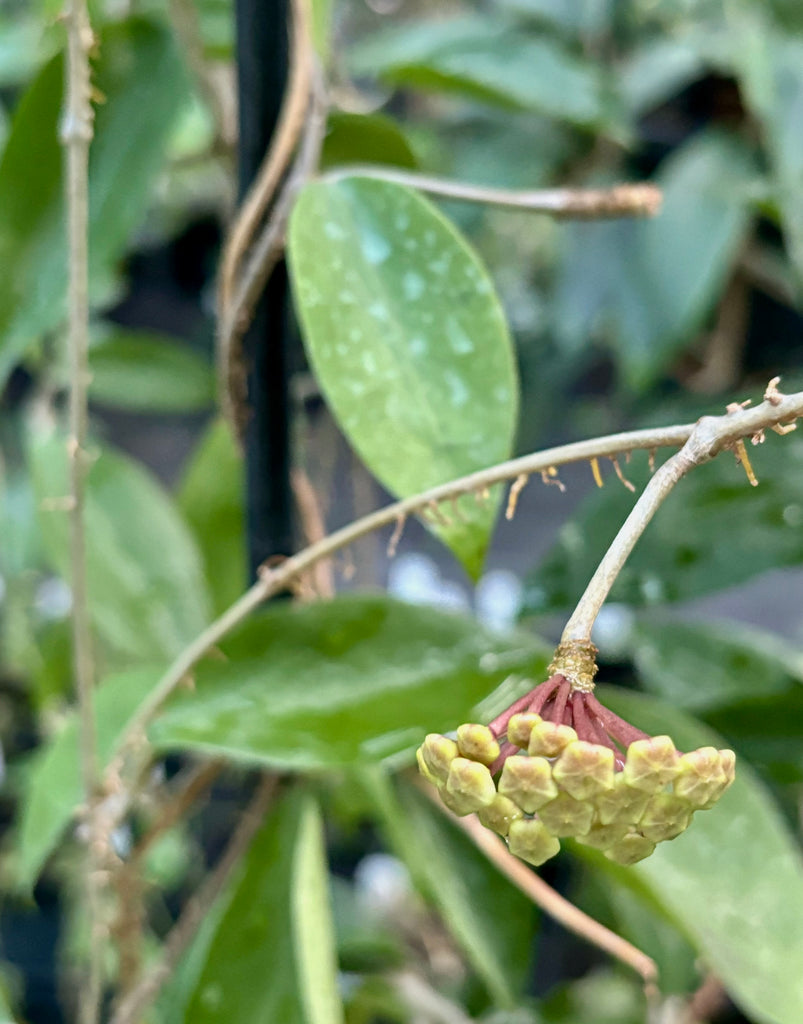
<point>584,769</point>
<point>665,817</point>
<point>630,850</point>
<point>477,743</point>
<point>500,814</point>
<point>548,739</point>
<point>622,804</point>
<point>565,816</point>
<point>651,763</point>
<point>529,840</point>
<point>437,753</point>
<point>528,782</point>
<point>471,782</point>
<point>699,776</point>
<point>520,726</point>
<point>603,837</point>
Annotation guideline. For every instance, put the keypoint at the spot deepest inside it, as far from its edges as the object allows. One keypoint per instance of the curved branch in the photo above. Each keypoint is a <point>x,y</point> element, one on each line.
<point>640,199</point>
<point>711,434</point>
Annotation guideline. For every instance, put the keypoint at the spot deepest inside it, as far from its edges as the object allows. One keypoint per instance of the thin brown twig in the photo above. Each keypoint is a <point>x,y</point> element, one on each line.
<point>551,902</point>
<point>184,930</point>
<point>76,137</point>
<point>288,131</point>
<point>630,200</point>
<point>235,315</point>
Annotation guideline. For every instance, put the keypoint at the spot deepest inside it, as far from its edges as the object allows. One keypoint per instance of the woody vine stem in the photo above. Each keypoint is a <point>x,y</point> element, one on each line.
<point>76,135</point>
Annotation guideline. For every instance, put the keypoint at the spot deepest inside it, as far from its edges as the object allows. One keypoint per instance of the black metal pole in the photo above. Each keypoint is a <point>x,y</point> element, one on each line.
<point>262,68</point>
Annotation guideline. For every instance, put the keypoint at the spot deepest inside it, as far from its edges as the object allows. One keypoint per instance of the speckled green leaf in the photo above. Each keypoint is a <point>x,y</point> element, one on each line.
<point>408,341</point>
<point>733,880</point>
<point>354,680</point>
<point>272,957</point>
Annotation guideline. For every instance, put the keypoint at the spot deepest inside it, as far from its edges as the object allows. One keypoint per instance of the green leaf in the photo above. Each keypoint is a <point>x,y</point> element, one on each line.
<point>645,286</point>
<point>272,957</point>
<point>490,919</point>
<point>136,71</point>
<point>684,552</point>
<point>408,342</point>
<point>772,65</point>
<point>145,372</point>
<point>147,593</point>
<point>733,881</point>
<point>698,667</point>
<point>365,138</point>
<point>212,500</point>
<point>53,788</point>
<point>354,680</point>
<point>484,59</point>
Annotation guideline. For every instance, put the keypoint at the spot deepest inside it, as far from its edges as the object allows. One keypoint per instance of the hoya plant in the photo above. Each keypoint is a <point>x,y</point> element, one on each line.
<point>297,796</point>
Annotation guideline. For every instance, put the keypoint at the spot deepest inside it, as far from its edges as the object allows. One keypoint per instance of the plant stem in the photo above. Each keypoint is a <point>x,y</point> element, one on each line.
<point>711,434</point>
<point>76,135</point>
<point>184,930</point>
<point>631,200</point>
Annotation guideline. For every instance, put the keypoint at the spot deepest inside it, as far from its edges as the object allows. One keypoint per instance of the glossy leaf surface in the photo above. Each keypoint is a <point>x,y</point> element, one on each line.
<point>272,956</point>
<point>355,679</point>
<point>408,342</point>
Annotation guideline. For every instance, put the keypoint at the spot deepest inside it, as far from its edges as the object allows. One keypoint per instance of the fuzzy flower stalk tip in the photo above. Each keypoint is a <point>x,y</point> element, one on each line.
<point>558,763</point>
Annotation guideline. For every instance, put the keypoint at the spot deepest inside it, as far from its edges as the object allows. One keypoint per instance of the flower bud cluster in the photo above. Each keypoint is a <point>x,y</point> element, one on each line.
<point>568,767</point>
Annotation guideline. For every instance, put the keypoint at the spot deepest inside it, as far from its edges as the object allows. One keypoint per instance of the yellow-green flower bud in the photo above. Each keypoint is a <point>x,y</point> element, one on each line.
<point>548,739</point>
<point>520,726</point>
<point>565,816</point>
<point>528,782</point>
<point>651,764</point>
<point>724,777</point>
<point>529,840</point>
<point>500,814</point>
<point>630,850</point>
<point>584,769</point>
<point>622,804</point>
<point>603,837</point>
<point>422,767</point>
<point>665,817</point>
<point>477,743</point>
<point>699,776</point>
<point>459,805</point>
<point>471,782</point>
<point>437,753</point>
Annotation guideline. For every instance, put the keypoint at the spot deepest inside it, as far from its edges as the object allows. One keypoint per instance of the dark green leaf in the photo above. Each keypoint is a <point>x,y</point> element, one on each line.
<point>353,680</point>
<point>645,286</point>
<point>490,919</point>
<point>688,548</point>
<point>137,70</point>
<point>272,957</point>
<point>484,59</point>
<point>364,139</point>
<point>147,593</point>
<point>767,729</point>
<point>53,788</point>
<point>146,372</point>
<point>733,881</point>
<point>211,498</point>
<point>408,341</point>
<point>698,667</point>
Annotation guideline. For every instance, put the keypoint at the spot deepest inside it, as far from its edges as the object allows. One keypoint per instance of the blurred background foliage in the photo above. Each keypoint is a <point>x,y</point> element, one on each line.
<point>616,324</point>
